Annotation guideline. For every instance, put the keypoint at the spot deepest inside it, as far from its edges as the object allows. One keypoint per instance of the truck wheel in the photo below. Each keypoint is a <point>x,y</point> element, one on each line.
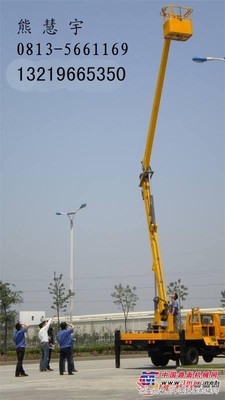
<point>191,356</point>
<point>207,358</point>
<point>159,360</point>
<point>156,360</point>
<point>164,361</point>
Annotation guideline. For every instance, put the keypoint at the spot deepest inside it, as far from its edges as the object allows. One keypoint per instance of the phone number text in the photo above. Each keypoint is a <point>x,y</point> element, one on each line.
<point>42,74</point>
<point>77,49</point>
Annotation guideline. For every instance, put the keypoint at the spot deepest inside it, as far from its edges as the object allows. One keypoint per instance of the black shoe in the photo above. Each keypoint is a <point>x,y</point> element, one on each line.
<point>75,370</point>
<point>70,373</point>
<point>50,369</point>
<point>24,374</point>
<point>62,374</point>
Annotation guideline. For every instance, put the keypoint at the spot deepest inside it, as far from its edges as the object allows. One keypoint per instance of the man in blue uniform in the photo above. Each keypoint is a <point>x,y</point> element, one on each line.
<point>20,342</point>
<point>64,339</point>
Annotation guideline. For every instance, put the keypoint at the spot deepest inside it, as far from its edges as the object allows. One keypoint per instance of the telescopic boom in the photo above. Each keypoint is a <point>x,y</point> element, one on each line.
<point>177,26</point>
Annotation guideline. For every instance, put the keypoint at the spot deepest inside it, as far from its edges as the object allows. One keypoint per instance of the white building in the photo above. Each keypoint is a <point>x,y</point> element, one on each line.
<point>31,317</point>
<point>100,323</point>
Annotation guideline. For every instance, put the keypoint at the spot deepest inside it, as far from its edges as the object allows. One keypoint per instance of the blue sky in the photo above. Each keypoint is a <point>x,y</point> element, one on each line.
<point>66,143</point>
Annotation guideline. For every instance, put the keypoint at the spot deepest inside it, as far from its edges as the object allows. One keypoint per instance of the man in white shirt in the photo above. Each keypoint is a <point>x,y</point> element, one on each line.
<point>43,336</point>
<point>175,310</point>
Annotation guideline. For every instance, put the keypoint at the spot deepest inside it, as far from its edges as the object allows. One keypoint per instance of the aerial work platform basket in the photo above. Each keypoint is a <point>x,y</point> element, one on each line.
<point>177,22</point>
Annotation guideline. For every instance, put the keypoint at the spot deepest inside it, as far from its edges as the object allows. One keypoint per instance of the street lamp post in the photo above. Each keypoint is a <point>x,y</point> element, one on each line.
<point>71,215</point>
<point>203,59</point>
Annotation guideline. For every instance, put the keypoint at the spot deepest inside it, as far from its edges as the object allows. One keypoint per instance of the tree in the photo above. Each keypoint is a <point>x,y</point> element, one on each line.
<point>125,298</point>
<point>8,298</point>
<point>58,292</point>
<point>222,301</point>
<point>178,288</point>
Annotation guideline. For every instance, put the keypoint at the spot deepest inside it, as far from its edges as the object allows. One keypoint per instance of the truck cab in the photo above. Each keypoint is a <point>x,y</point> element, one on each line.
<point>207,331</point>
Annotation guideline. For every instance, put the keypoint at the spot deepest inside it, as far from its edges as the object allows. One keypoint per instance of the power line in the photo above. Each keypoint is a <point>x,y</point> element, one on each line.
<point>138,287</point>
<point>121,276</point>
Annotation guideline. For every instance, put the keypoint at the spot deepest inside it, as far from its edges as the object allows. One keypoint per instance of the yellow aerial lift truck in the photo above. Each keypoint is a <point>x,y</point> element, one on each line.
<point>203,333</point>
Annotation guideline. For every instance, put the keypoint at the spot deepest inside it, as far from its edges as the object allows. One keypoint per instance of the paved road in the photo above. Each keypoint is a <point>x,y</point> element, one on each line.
<point>95,379</point>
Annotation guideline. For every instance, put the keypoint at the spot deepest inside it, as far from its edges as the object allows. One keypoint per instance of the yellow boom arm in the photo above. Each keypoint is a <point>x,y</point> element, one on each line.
<point>177,26</point>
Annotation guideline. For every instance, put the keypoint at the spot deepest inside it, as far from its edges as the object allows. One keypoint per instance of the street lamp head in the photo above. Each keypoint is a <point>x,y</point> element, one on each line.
<point>71,213</point>
<point>203,59</point>
<point>199,59</point>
